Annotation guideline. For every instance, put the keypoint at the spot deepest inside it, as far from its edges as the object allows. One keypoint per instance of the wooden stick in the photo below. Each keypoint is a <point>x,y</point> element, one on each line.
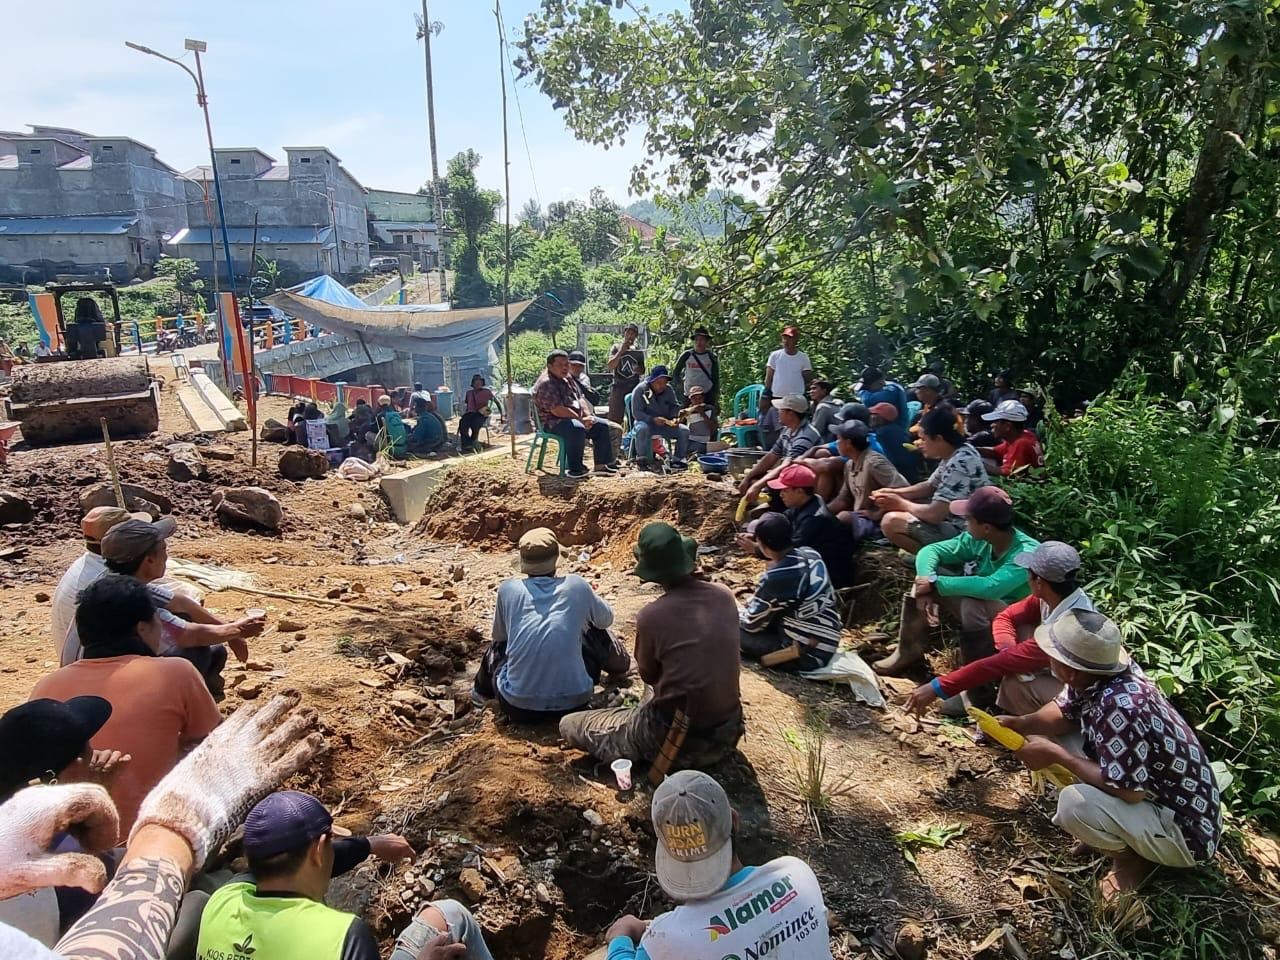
<point>302,596</point>
<point>111,464</point>
<point>670,749</point>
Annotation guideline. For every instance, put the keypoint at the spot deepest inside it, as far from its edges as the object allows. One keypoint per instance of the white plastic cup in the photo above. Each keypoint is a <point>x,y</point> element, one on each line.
<point>622,773</point>
<point>255,612</point>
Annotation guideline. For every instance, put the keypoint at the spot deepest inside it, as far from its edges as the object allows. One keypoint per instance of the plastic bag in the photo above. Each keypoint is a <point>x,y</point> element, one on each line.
<point>353,468</point>
<point>847,665</point>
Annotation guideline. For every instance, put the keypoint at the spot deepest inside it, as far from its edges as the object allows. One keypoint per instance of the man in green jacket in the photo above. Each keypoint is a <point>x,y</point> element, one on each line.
<point>987,548</point>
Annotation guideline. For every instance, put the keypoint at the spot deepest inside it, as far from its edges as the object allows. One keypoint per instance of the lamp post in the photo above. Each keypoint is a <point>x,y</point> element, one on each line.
<point>198,47</point>
<point>333,225</point>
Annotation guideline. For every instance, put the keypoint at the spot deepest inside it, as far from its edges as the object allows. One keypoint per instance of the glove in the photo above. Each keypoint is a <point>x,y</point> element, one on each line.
<point>28,823</point>
<point>206,796</point>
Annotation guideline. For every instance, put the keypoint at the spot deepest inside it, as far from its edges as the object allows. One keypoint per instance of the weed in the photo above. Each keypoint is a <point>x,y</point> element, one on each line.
<point>809,764</point>
<point>935,836</point>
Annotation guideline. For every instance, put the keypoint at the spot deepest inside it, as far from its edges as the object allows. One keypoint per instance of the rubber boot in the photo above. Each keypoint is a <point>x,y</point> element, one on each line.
<point>974,645</point>
<point>913,638</point>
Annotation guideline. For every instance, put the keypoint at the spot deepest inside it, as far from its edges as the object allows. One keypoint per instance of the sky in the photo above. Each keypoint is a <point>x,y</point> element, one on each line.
<point>344,74</point>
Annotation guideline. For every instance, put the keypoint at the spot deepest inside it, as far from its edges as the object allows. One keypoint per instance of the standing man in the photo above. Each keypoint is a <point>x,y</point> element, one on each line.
<point>563,411</point>
<point>796,438</point>
<point>788,371</point>
<point>627,365</point>
<point>656,413</point>
<point>699,367</point>
<point>1019,449</point>
<point>687,655</point>
<point>1147,794</point>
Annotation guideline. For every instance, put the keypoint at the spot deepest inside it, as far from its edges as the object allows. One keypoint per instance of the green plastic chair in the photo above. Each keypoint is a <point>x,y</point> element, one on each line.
<point>539,445</point>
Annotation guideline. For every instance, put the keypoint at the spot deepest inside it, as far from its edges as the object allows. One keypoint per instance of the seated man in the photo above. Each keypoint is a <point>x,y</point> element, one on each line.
<point>813,525</point>
<point>361,420</point>
<point>1026,684</point>
<point>977,430</point>
<point>277,908</point>
<point>797,437</point>
<point>898,446</point>
<point>593,398</point>
<point>761,911</point>
<point>825,408</point>
<point>687,654</point>
<point>825,459</point>
<point>1019,449</point>
<point>160,707</point>
<point>86,568</point>
<point>989,547</point>
<point>562,410</point>
<point>700,415</point>
<point>388,431</point>
<point>874,390</point>
<point>429,433</point>
<point>550,642</point>
<point>794,605</point>
<point>139,549</point>
<point>656,412</point>
<point>866,471</point>
<point>1147,794</point>
<point>921,513</point>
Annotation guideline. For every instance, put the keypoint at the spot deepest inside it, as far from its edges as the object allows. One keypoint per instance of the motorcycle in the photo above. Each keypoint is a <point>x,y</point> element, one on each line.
<point>167,341</point>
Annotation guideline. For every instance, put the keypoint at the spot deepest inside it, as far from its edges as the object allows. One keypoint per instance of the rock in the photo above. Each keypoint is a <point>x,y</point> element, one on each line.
<point>299,463</point>
<point>357,512</point>
<point>218,453</point>
<point>411,697</point>
<point>400,587</point>
<point>287,646</point>
<point>135,498</point>
<point>357,587</point>
<point>459,573</point>
<point>472,884</point>
<point>41,597</point>
<point>248,506</point>
<point>15,509</point>
<point>186,463</point>
<point>260,665</point>
<point>542,894</point>
<point>273,431</point>
<point>911,942</point>
<point>334,593</point>
<point>285,625</point>
<point>250,689</point>
<point>593,818</point>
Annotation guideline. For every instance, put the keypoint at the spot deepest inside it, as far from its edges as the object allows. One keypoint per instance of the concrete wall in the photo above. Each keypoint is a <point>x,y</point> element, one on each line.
<point>297,261</point>
<point>48,256</point>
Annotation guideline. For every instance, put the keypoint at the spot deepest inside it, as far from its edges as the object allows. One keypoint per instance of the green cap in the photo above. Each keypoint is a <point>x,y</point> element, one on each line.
<point>663,555</point>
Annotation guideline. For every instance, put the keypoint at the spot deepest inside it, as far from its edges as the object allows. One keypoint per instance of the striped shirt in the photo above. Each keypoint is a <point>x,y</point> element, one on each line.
<point>796,593</point>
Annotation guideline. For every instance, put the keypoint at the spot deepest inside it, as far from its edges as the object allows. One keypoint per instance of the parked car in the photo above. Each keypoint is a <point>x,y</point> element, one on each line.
<point>263,314</point>
<point>384,265</point>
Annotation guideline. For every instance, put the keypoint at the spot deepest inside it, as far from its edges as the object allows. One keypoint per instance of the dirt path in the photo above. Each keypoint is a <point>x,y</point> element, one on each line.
<point>504,818</point>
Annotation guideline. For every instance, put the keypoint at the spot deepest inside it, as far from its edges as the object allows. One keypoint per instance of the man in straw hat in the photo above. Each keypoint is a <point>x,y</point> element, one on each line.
<point>724,909</point>
<point>1147,795</point>
<point>550,639</point>
<point>687,654</point>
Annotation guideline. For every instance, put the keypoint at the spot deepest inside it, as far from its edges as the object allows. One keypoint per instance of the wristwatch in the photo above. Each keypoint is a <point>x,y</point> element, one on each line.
<point>933,578</point>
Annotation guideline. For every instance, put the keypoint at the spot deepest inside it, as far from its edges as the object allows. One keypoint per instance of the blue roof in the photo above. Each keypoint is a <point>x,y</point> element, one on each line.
<point>50,226</point>
<point>330,291</point>
<point>267,236</point>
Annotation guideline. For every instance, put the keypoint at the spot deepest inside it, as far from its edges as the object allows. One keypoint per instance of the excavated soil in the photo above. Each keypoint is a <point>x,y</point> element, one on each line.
<point>539,842</point>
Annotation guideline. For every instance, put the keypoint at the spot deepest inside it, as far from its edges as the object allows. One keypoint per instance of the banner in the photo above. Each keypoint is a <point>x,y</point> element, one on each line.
<point>45,311</point>
<point>236,345</point>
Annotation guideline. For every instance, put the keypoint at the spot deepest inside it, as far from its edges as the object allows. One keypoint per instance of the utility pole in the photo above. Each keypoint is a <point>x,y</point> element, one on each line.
<point>425,29</point>
<point>506,260</point>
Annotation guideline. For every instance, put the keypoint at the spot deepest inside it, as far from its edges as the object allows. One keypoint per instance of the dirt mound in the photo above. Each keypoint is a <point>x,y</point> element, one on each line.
<point>491,506</point>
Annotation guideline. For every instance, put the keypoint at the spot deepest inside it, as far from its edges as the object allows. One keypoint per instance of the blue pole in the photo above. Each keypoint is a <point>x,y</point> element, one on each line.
<point>217,182</point>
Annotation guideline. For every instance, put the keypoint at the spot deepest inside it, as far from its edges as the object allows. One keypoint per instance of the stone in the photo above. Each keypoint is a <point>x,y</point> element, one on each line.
<point>250,689</point>
<point>285,625</point>
<point>15,509</point>
<point>473,885</point>
<point>273,431</point>
<point>333,593</point>
<point>459,573</point>
<point>136,498</point>
<point>411,697</point>
<point>186,463</point>
<point>261,665</point>
<point>593,818</point>
<point>218,453</point>
<point>299,463</point>
<point>357,512</point>
<point>248,506</point>
<point>41,597</point>
<point>911,943</point>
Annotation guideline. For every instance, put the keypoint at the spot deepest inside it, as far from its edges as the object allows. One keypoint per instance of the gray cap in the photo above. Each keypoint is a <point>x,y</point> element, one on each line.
<point>694,824</point>
<point>1053,560</point>
<point>134,539</point>
<point>929,381</point>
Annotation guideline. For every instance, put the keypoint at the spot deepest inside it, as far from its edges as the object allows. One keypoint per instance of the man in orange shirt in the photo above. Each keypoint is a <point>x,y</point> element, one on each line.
<point>160,706</point>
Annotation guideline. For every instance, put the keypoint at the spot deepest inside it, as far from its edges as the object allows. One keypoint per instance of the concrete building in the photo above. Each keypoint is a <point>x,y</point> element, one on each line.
<point>72,203</point>
<point>403,223</point>
<point>311,213</point>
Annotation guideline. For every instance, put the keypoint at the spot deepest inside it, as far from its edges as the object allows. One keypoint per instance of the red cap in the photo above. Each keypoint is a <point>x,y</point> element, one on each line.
<point>988,504</point>
<point>793,477</point>
<point>790,331</point>
<point>885,411</point>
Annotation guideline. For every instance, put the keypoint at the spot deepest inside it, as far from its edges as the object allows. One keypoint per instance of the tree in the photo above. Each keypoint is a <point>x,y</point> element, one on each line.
<point>469,210</point>
<point>183,271</point>
<point>531,216</point>
<point>1064,187</point>
<point>553,266</point>
<point>594,227</point>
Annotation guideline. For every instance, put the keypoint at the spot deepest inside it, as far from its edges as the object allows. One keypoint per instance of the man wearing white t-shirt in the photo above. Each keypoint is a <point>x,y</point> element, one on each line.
<point>724,908</point>
<point>789,370</point>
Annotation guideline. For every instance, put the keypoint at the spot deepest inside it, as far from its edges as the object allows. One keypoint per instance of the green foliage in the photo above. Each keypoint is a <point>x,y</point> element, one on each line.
<point>553,265</point>
<point>184,272</point>
<point>528,357</point>
<point>1179,526</point>
<point>16,324</point>
<point>469,211</point>
<point>707,216</point>
<point>593,227</point>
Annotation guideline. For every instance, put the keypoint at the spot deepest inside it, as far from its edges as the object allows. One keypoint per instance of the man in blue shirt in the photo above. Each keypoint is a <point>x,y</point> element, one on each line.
<point>550,642</point>
<point>875,389</point>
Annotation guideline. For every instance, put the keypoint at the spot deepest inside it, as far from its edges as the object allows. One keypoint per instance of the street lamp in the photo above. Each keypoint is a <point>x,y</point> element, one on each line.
<point>333,224</point>
<point>198,47</point>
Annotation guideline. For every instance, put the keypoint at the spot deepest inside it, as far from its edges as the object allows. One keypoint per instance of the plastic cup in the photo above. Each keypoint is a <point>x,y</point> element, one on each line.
<point>255,612</point>
<point>622,773</point>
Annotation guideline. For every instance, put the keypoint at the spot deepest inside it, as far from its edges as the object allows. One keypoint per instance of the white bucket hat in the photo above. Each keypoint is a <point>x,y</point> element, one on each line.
<point>1085,641</point>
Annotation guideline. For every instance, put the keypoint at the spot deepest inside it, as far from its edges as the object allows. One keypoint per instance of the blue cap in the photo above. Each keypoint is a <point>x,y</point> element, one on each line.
<point>284,821</point>
<point>658,373</point>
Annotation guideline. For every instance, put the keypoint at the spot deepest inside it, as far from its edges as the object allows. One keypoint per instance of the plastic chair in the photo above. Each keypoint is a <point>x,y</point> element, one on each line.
<point>746,403</point>
<point>539,444</point>
<point>460,408</point>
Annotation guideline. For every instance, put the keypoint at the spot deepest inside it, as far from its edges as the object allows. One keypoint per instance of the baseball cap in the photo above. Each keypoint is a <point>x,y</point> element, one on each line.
<point>773,530</point>
<point>977,408</point>
<point>702,332</point>
<point>134,539</point>
<point>44,736</point>
<point>694,824</point>
<point>659,373</point>
<point>539,552</point>
<point>852,430</point>
<point>792,401</point>
<point>1084,640</point>
<point>1007,410</point>
<point>852,411</point>
<point>696,389</point>
<point>988,504</point>
<point>793,477</point>
<point>1053,560</point>
<point>99,520</point>
<point>871,375</point>
<point>663,555</point>
<point>928,381</point>
<point>286,820</point>
<point>577,356</point>
<point>885,411</point>
<point>791,331</point>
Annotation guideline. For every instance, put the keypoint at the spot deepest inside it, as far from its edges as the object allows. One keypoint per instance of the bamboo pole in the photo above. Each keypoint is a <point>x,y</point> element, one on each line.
<point>506,260</point>
<point>111,464</point>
